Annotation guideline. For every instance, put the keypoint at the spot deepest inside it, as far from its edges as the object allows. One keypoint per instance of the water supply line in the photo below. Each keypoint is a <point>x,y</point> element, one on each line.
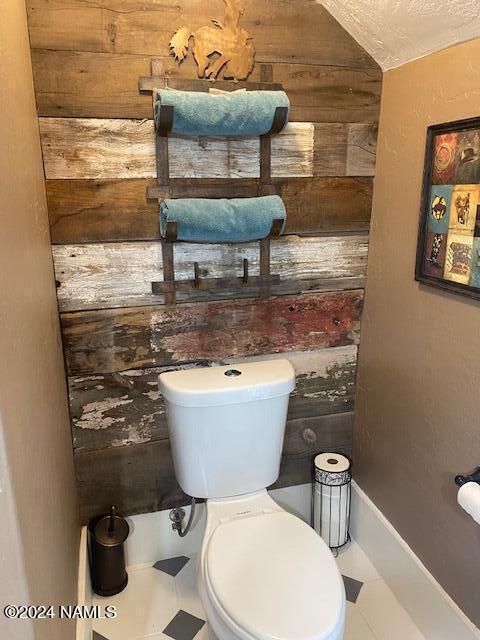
<point>177,516</point>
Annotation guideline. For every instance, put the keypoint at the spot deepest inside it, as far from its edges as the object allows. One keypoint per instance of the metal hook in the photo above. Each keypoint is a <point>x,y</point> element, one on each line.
<point>245,271</point>
<point>196,276</point>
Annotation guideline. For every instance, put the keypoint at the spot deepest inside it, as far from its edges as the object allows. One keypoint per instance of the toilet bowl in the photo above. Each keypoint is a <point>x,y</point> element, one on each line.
<point>263,574</point>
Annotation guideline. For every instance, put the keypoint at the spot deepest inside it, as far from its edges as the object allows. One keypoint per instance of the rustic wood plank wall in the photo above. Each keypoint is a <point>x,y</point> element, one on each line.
<point>99,157</point>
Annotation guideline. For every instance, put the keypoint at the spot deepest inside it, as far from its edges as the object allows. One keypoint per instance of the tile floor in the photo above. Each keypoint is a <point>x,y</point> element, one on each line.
<point>161,602</point>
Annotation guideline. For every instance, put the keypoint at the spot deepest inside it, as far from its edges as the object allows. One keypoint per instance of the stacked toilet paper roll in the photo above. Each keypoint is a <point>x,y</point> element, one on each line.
<point>331,498</point>
<point>469,499</point>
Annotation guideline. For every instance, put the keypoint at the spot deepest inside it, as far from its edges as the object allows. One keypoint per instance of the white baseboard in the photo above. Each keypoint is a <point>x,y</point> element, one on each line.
<point>430,607</point>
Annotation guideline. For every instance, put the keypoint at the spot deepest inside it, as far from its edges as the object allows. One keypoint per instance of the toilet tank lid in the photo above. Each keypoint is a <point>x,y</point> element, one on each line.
<point>228,384</point>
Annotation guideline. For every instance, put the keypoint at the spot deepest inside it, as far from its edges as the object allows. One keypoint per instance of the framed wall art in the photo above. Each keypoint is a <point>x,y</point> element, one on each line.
<point>448,250</point>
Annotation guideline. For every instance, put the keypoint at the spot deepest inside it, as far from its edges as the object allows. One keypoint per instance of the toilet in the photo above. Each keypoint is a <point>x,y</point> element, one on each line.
<point>263,574</point>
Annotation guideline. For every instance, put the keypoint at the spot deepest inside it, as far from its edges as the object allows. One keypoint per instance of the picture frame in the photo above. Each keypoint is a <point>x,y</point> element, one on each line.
<point>448,246</point>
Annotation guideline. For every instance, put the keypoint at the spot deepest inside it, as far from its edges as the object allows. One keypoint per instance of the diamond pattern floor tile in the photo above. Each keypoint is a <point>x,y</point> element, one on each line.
<point>162,602</point>
<point>184,626</point>
<point>352,588</point>
<point>145,607</point>
<point>172,566</point>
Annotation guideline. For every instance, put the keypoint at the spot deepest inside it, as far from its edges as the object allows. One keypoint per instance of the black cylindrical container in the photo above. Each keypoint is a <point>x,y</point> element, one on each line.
<point>106,535</point>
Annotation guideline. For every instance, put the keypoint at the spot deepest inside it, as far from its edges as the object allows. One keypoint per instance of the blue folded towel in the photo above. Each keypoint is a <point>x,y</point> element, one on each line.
<point>239,113</point>
<point>222,220</point>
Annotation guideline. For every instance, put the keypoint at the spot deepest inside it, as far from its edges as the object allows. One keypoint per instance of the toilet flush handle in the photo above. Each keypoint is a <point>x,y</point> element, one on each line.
<point>232,373</point>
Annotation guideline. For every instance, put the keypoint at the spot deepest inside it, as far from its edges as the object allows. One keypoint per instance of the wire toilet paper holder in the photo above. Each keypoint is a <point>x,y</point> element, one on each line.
<point>472,477</point>
<point>331,500</point>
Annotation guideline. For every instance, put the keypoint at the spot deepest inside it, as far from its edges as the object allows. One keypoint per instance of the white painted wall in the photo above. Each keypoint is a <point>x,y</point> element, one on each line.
<point>398,31</point>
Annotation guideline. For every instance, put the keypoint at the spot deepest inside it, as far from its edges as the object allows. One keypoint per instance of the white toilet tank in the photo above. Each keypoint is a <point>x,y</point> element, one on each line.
<point>227,424</point>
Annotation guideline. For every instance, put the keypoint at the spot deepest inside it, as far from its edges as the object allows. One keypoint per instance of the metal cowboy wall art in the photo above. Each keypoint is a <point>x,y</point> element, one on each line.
<point>232,44</point>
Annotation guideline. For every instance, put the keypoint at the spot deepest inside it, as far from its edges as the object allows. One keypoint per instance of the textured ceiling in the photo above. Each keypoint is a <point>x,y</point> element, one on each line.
<point>397,31</point>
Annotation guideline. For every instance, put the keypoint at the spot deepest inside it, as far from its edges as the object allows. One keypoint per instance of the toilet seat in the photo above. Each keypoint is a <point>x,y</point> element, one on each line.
<point>270,576</point>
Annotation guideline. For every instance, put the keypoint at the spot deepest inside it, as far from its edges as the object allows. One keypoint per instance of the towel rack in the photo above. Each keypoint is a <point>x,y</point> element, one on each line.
<point>163,189</point>
<point>169,285</point>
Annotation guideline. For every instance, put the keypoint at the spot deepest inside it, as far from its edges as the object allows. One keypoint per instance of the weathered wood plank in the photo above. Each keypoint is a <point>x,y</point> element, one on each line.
<point>90,85</point>
<point>140,478</point>
<point>305,438</point>
<point>124,408</point>
<point>361,149</point>
<point>280,32</point>
<point>137,479</point>
<point>94,276</point>
<point>351,148</point>
<point>99,210</point>
<point>325,380</point>
<point>330,149</point>
<point>93,148</point>
<point>119,339</point>
<point>326,204</point>
<point>65,24</point>
<point>330,93</point>
<point>77,84</point>
<point>116,210</point>
<point>118,409</point>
